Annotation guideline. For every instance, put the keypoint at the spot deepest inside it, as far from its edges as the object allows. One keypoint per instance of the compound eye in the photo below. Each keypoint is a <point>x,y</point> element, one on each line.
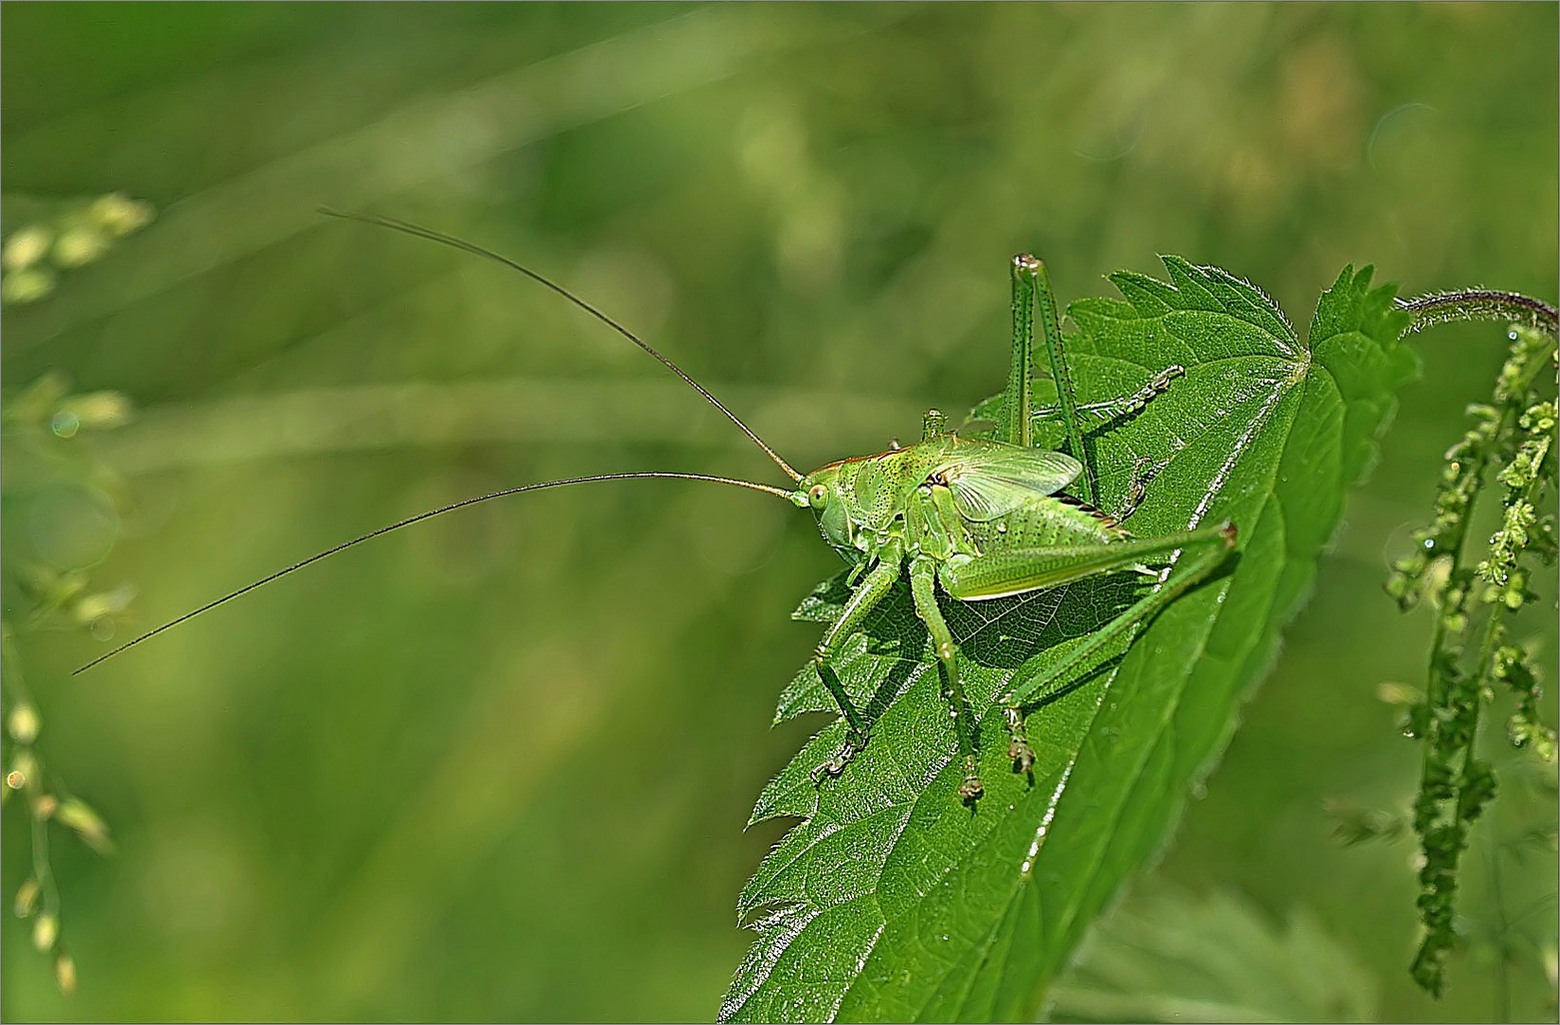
<point>817,496</point>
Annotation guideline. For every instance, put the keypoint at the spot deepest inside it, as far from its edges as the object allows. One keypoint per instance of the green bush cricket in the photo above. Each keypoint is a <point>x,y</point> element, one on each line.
<point>981,518</point>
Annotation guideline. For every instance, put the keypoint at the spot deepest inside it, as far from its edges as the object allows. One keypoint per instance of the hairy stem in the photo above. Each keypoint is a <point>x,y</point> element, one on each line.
<point>1481,304</point>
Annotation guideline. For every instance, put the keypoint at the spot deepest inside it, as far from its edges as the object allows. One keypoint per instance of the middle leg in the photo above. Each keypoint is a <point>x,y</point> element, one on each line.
<point>923,576</point>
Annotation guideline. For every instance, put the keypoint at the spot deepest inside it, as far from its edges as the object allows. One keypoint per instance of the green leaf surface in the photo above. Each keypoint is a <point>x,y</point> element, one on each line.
<point>892,900</point>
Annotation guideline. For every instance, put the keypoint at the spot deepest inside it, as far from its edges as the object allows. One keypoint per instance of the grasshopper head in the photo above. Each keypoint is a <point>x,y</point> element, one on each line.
<point>820,491</point>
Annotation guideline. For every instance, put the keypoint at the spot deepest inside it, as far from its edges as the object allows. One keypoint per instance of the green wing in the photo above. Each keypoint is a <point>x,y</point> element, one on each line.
<point>994,479</point>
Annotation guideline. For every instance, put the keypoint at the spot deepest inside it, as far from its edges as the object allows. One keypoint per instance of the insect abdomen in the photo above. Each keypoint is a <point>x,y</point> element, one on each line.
<point>1034,547</point>
<point>1050,522</point>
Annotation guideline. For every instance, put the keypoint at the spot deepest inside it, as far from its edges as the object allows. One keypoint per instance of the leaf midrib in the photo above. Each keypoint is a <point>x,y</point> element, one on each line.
<point>1285,387</point>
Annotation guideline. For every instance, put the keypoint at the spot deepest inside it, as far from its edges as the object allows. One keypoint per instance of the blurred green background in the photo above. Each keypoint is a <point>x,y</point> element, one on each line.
<point>497,766</point>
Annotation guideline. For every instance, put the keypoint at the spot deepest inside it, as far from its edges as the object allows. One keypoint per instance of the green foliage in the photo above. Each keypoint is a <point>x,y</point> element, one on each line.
<point>1477,595</point>
<point>61,236</point>
<point>894,901</point>
<point>495,768</point>
<point>1170,957</point>
<point>72,500</point>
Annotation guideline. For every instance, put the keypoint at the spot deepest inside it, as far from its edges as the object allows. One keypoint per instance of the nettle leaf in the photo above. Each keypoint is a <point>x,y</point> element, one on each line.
<point>892,900</point>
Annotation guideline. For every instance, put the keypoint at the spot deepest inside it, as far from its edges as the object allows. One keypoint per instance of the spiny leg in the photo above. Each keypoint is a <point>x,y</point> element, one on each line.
<point>1137,488</point>
<point>873,587</point>
<point>923,575</point>
<point>1066,400</point>
<point>1040,568</point>
<point>1124,406</point>
<point>1213,547</point>
<point>1033,302</point>
<point>1119,409</point>
<point>1017,428</point>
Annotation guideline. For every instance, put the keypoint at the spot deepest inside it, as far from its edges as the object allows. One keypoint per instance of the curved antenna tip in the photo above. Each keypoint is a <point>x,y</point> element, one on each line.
<point>417,231</point>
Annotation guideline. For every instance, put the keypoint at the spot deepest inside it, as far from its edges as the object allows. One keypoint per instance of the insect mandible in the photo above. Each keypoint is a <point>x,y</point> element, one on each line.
<point>979,518</point>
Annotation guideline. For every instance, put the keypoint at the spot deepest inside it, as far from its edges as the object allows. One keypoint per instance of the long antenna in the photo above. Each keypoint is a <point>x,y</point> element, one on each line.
<point>750,485</point>
<point>470,247</point>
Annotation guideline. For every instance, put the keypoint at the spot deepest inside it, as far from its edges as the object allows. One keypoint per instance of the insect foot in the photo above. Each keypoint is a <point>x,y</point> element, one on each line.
<point>972,787</point>
<point>1019,751</point>
<point>854,742</point>
<point>1137,488</point>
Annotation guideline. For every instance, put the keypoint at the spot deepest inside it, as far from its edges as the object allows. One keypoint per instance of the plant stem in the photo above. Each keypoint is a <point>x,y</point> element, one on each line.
<point>1481,304</point>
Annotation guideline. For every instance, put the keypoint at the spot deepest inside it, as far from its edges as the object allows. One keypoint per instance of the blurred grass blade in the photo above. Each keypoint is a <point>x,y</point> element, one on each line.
<point>427,138</point>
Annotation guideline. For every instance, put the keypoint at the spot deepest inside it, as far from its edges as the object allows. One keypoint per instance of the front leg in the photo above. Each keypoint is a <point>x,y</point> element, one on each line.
<point>923,575</point>
<point>872,589</point>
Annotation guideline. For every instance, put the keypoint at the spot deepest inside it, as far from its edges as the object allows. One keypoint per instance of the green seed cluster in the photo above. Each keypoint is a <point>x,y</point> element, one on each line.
<point>79,232</point>
<point>38,897</point>
<point>1513,435</point>
<point>45,425</point>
